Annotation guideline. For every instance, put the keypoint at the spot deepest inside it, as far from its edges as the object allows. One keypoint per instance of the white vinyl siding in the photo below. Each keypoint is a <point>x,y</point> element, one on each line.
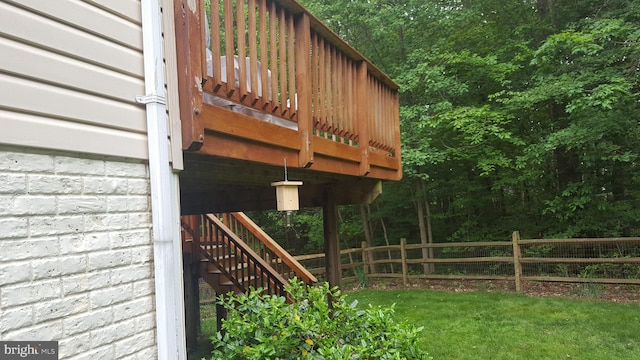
<point>69,74</point>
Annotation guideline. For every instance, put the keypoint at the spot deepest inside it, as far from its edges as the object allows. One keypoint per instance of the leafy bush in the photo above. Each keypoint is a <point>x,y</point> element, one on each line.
<point>262,326</point>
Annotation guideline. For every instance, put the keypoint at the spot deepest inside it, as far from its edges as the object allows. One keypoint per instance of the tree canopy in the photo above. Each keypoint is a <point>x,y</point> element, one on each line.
<point>515,115</point>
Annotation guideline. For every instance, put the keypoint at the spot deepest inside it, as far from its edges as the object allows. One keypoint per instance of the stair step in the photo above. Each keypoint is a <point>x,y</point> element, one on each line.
<point>243,280</point>
<point>240,266</point>
<point>225,261</point>
<point>230,261</point>
<point>212,247</point>
<point>222,256</point>
<point>202,242</point>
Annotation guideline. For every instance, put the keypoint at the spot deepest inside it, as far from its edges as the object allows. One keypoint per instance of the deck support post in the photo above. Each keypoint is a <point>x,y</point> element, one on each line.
<point>331,241</point>
<point>191,300</point>
<point>221,314</point>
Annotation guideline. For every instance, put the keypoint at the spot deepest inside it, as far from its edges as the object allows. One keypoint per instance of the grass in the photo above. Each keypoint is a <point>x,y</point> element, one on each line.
<point>496,326</point>
<point>482,325</point>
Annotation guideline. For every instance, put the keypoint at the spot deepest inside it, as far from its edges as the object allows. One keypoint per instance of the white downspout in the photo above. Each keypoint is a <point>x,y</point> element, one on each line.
<point>165,207</point>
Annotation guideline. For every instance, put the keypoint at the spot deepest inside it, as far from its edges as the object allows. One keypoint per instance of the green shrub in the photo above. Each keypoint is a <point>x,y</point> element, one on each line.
<point>262,326</point>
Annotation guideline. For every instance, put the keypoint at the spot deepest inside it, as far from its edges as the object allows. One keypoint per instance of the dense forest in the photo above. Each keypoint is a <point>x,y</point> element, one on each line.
<point>515,115</point>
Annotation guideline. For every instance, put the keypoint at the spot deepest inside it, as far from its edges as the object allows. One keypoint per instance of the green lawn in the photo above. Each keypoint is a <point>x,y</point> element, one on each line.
<point>484,325</point>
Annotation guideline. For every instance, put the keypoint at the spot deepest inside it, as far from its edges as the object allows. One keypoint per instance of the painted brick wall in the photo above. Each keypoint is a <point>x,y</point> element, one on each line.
<point>76,254</point>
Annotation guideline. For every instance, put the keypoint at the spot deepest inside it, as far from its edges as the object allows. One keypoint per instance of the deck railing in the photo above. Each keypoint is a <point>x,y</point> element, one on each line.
<point>273,60</point>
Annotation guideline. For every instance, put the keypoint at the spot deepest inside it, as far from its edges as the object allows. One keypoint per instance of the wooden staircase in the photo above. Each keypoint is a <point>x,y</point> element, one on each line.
<point>234,254</point>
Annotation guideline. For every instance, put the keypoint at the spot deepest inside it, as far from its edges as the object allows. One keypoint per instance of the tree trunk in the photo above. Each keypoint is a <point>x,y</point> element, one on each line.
<point>344,238</point>
<point>422,226</point>
<point>424,223</point>
<point>429,228</point>
<point>403,49</point>
<point>386,240</point>
<point>567,167</point>
<point>545,8</point>
<point>367,236</point>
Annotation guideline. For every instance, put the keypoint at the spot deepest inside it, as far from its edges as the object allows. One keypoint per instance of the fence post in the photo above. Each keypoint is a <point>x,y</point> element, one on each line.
<point>517,267</point>
<point>365,265</point>
<point>403,254</point>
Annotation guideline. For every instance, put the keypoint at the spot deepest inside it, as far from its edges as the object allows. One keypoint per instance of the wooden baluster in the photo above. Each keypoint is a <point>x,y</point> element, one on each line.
<point>264,46</point>
<point>339,72</point>
<point>282,57</point>
<point>373,123</point>
<point>216,244</point>
<point>330,52</point>
<point>253,53</point>
<point>237,257</point>
<point>202,39</point>
<point>291,65</point>
<point>257,276</point>
<point>380,114</point>
<point>229,47</point>
<point>396,133</point>
<point>388,141</point>
<point>303,80</point>
<point>202,230</point>
<point>216,40</point>
<point>362,120</point>
<point>380,122</point>
<point>315,71</point>
<point>322,84</point>
<point>242,63</point>
<point>273,65</point>
<point>383,112</point>
<point>349,98</point>
<point>328,88</point>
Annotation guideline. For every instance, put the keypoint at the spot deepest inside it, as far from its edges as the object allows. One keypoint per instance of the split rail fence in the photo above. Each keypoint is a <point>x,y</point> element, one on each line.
<point>604,260</point>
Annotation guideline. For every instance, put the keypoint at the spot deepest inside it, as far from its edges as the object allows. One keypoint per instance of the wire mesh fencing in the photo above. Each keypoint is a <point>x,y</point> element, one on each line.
<point>610,260</point>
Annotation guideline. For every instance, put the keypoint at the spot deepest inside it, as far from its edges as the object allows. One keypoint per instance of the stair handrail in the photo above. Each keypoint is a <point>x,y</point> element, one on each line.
<point>299,270</point>
<point>197,251</point>
<point>279,281</point>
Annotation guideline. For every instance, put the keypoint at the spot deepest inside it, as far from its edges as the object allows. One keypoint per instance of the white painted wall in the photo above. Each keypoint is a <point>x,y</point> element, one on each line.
<point>76,254</point>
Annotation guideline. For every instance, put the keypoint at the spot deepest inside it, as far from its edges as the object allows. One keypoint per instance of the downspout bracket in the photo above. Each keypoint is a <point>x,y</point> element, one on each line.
<point>151,99</point>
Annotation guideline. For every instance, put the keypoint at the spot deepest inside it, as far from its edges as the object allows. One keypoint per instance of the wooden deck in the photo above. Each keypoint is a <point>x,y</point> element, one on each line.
<point>289,90</point>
